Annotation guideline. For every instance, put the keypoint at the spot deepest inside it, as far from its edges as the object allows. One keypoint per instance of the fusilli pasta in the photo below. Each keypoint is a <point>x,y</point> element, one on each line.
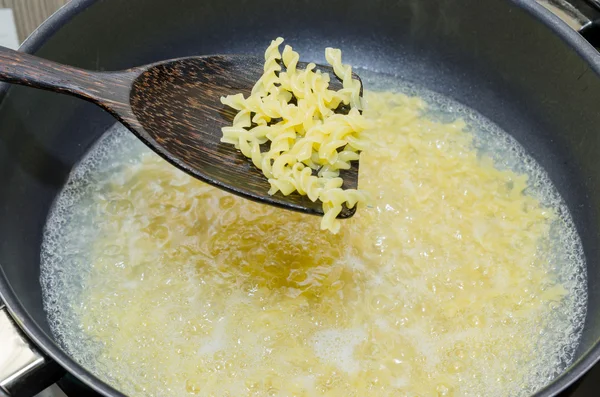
<point>309,142</point>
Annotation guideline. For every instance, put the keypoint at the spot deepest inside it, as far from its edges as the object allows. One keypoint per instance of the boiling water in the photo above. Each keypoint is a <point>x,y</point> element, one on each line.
<point>449,282</point>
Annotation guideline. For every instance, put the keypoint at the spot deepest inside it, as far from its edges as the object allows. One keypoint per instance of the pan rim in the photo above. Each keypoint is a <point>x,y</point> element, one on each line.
<point>49,347</point>
<point>591,56</point>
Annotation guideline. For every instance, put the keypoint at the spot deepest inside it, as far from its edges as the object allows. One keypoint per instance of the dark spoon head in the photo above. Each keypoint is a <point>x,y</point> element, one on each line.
<point>180,116</point>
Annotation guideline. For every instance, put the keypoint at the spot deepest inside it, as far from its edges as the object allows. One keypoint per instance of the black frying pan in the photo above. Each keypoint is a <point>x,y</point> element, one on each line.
<point>512,61</point>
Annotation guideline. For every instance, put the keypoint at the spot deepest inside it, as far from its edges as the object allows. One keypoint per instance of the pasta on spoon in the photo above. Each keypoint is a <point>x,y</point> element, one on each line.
<point>293,111</point>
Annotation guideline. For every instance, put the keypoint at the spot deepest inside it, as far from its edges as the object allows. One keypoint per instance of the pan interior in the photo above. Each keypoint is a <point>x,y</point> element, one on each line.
<point>68,274</point>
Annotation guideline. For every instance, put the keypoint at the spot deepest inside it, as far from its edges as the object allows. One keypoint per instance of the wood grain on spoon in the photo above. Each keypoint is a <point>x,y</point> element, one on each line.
<point>174,107</point>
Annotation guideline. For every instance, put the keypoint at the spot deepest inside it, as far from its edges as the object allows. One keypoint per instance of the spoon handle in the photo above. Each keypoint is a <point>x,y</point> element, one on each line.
<point>102,88</point>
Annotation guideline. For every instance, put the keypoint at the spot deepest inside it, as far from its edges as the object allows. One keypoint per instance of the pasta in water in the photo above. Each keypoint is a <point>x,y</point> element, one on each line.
<point>463,277</point>
<point>309,142</point>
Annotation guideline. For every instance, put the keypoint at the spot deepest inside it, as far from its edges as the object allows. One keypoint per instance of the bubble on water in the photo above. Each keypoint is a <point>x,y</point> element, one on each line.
<point>337,347</point>
<point>64,259</point>
<point>567,256</point>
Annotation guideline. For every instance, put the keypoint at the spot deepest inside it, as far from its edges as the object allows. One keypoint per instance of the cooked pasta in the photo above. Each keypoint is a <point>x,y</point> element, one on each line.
<point>463,277</point>
<point>309,142</point>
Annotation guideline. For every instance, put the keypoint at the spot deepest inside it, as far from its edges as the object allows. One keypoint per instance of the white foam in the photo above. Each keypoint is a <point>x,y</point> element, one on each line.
<point>216,342</point>
<point>337,347</point>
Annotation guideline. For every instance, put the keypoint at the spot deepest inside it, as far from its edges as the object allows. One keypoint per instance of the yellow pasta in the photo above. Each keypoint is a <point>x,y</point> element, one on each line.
<point>309,142</point>
<point>441,287</point>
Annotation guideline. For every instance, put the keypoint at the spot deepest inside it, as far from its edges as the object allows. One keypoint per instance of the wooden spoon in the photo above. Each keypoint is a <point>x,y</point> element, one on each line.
<point>174,107</point>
